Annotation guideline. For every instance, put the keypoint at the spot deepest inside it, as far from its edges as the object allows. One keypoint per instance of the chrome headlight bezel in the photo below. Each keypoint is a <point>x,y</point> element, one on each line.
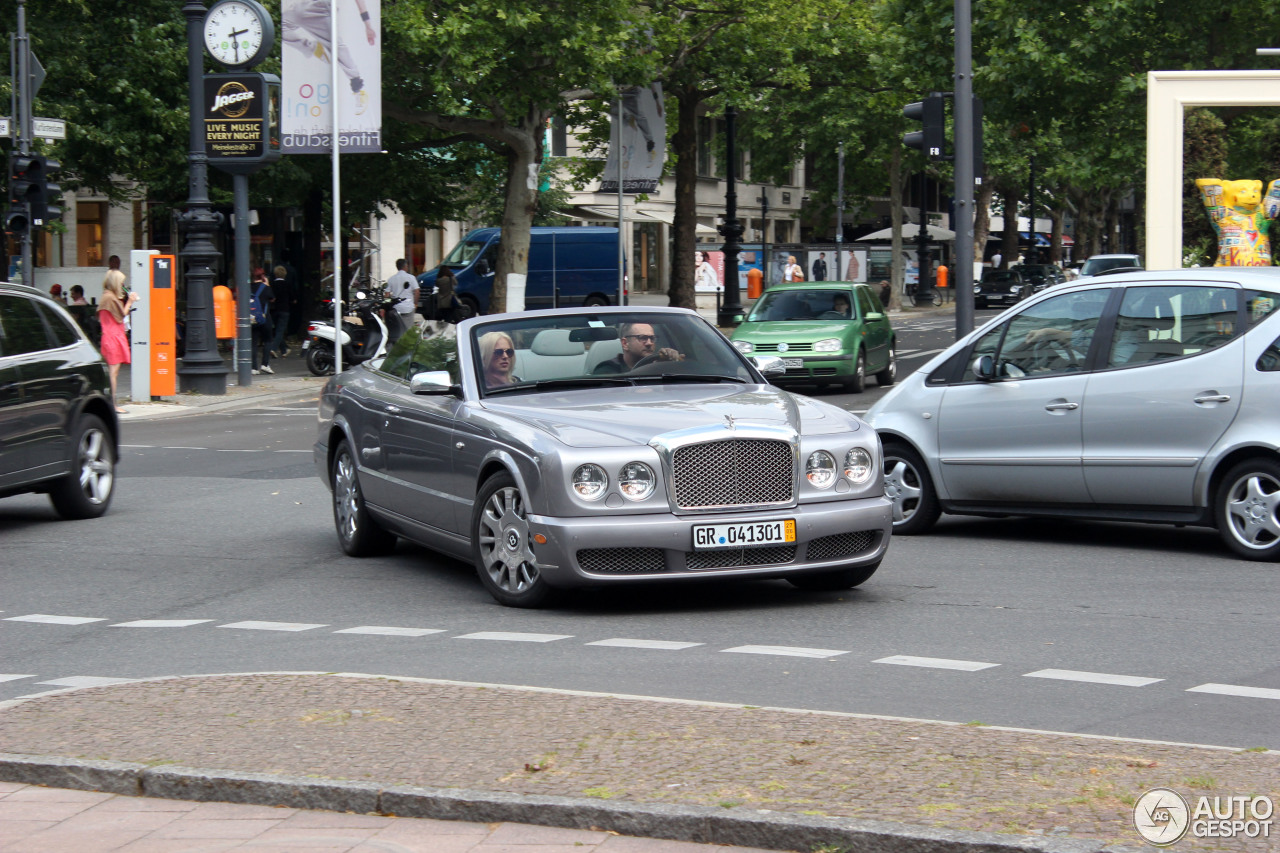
<point>638,474</point>
<point>859,466</point>
<point>589,482</point>
<point>820,469</point>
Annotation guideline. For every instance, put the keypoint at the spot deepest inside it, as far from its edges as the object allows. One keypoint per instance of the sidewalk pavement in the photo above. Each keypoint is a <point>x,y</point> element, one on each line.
<point>415,753</point>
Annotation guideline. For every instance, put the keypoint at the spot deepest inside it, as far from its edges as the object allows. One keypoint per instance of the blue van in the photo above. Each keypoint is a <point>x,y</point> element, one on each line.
<point>567,266</point>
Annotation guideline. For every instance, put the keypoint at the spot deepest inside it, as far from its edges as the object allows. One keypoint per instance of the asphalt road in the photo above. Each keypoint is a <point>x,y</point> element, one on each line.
<point>219,556</point>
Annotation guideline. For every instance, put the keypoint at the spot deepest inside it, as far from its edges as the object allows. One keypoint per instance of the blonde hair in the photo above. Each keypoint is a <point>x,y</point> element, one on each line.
<point>488,343</point>
<point>114,282</point>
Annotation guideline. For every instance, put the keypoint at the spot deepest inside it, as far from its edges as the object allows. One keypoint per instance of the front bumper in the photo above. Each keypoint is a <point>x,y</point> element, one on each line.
<point>818,366</point>
<point>829,536</point>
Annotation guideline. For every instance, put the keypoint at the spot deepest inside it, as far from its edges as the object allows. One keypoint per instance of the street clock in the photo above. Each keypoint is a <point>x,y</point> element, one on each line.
<point>238,33</point>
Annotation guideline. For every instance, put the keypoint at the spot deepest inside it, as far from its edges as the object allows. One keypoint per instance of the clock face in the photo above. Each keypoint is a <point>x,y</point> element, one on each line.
<point>238,32</point>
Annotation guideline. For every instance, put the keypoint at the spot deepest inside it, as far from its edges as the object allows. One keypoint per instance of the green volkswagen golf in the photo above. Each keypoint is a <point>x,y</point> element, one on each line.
<point>824,332</point>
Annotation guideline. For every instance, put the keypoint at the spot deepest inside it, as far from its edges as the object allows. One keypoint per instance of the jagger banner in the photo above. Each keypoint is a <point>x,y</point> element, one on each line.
<point>241,121</point>
<point>307,71</point>
<point>643,146</point>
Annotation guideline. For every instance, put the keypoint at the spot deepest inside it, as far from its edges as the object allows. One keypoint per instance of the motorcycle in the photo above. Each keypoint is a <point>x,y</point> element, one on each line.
<point>360,341</point>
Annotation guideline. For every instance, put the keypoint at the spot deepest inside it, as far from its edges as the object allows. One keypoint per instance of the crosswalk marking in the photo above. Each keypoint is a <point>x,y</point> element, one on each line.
<point>160,623</point>
<point>1093,677</point>
<point>937,663</point>
<point>619,642</point>
<point>272,626</point>
<point>1237,690</point>
<point>55,620</point>
<point>786,651</point>
<point>390,632</point>
<point>514,637</point>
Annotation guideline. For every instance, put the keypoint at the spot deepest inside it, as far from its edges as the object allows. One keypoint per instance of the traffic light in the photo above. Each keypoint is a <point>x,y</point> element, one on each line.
<point>932,115</point>
<point>46,201</point>
<point>22,168</point>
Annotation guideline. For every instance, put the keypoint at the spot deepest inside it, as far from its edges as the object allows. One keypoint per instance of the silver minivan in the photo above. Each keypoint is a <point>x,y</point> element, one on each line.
<point>1145,396</point>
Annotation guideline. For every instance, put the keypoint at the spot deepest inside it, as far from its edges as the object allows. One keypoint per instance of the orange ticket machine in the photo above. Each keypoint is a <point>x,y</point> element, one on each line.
<point>153,325</point>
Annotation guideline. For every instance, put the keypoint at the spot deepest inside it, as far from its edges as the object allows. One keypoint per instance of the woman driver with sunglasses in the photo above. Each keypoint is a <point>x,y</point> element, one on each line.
<point>498,354</point>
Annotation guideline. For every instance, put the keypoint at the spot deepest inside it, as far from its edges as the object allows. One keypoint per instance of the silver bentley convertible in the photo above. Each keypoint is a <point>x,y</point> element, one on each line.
<point>599,446</point>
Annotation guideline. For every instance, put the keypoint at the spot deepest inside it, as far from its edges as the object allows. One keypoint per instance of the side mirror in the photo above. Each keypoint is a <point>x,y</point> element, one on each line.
<point>482,267</point>
<point>769,365</point>
<point>984,368</point>
<point>432,383</point>
<point>874,315</point>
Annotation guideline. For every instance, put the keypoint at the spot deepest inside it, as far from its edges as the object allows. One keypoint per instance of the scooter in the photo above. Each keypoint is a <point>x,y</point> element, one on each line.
<point>370,338</point>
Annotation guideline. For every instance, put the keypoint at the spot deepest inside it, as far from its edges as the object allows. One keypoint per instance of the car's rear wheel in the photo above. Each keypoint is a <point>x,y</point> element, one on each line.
<point>908,484</point>
<point>1247,507</point>
<point>358,533</point>
<point>834,580</point>
<point>595,301</point>
<point>503,545</point>
<point>890,373</point>
<point>855,383</point>
<point>86,491</point>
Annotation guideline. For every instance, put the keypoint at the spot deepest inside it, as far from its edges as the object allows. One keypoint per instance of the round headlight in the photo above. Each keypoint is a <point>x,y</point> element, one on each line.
<point>829,345</point>
<point>858,466</point>
<point>590,482</point>
<point>636,481</point>
<point>745,347</point>
<point>977,288</point>
<point>820,469</point>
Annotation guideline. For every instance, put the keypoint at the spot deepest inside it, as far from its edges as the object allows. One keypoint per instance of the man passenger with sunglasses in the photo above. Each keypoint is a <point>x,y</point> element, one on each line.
<point>638,343</point>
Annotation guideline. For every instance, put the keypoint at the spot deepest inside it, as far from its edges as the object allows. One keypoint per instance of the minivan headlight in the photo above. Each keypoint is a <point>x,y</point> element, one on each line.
<point>820,469</point>
<point>829,345</point>
<point>858,466</point>
<point>590,482</point>
<point>636,481</point>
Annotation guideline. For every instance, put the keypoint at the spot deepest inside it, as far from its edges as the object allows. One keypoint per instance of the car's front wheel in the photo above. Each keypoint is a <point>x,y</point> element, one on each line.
<point>834,581</point>
<point>358,533</point>
<point>1247,507</point>
<point>86,491</point>
<point>503,545</point>
<point>908,484</point>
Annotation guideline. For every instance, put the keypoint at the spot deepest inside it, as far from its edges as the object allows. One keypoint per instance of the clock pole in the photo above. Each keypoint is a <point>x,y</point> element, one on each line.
<point>203,370</point>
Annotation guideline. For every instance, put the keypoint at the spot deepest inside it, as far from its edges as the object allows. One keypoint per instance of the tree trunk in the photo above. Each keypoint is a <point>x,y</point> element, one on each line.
<point>1009,245</point>
<point>1055,238</point>
<point>524,154</point>
<point>981,222</point>
<point>895,217</point>
<point>684,145</point>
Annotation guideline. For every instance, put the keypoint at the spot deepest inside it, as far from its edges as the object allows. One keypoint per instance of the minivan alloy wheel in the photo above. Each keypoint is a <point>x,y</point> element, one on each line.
<point>1248,509</point>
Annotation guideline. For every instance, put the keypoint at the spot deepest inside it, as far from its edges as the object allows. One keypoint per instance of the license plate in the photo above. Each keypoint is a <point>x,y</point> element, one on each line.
<point>306,345</point>
<point>709,537</point>
<point>793,363</point>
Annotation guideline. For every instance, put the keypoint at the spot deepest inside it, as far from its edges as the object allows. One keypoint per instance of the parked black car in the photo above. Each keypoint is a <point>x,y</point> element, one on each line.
<point>1041,276</point>
<point>59,433</point>
<point>1001,287</point>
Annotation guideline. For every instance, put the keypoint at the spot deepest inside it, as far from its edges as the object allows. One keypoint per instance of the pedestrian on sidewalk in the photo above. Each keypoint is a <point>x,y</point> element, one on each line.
<point>404,287</point>
<point>113,310</point>
<point>260,318</point>
<point>793,271</point>
<point>281,301</point>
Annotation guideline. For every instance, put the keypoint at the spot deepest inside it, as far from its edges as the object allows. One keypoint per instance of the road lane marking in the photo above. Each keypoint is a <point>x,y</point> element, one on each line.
<point>514,637</point>
<point>786,651</point>
<point>5,677</point>
<point>1093,677</point>
<point>937,663</point>
<point>54,620</point>
<point>622,643</point>
<point>386,631</point>
<point>272,626</point>
<point>160,623</point>
<point>87,681</point>
<point>1237,690</point>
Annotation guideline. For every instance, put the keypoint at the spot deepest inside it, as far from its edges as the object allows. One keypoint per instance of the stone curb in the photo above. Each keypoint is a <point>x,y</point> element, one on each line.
<point>697,824</point>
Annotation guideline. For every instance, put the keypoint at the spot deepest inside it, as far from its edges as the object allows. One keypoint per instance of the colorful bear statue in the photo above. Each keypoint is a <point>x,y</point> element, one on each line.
<point>1242,219</point>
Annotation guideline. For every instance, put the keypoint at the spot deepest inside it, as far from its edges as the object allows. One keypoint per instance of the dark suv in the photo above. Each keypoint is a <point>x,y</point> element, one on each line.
<point>1041,276</point>
<point>1002,287</point>
<point>58,429</point>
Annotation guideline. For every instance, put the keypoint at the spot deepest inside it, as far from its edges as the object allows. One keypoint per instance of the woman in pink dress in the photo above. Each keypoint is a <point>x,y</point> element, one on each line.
<point>111,313</point>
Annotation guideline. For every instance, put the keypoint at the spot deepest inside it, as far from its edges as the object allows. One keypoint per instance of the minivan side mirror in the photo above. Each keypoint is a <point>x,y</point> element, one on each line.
<point>984,368</point>
<point>482,267</point>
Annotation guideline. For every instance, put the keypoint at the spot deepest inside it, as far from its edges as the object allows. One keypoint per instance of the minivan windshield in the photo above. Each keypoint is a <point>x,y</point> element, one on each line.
<point>463,254</point>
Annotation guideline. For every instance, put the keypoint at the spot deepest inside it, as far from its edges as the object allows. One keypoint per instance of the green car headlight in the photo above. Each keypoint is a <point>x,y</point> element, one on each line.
<point>829,345</point>
<point>745,347</point>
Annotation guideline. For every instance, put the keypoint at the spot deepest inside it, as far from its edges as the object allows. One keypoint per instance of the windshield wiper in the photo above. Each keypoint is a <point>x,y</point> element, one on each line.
<point>691,377</point>
<point>575,382</point>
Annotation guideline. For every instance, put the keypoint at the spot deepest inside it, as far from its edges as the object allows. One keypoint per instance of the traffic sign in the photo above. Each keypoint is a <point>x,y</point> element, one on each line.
<point>5,128</point>
<point>49,128</point>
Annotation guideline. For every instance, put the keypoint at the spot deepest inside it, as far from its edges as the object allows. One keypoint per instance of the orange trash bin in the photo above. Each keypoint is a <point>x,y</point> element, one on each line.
<point>224,313</point>
<point>942,277</point>
<point>755,283</point>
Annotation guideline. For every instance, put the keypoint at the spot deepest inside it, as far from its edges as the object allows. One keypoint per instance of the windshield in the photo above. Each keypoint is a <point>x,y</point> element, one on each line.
<point>601,350</point>
<point>1093,266</point>
<point>785,305</point>
<point>463,253</point>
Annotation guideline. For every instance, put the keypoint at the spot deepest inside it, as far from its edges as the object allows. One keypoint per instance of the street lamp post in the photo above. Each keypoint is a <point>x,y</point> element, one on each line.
<point>764,234</point>
<point>202,370</point>
<point>731,310</point>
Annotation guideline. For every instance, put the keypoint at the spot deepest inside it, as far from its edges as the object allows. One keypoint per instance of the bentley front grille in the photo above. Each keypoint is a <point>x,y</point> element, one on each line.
<point>841,545</point>
<point>621,561</point>
<point>733,472</point>
<point>774,555</point>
